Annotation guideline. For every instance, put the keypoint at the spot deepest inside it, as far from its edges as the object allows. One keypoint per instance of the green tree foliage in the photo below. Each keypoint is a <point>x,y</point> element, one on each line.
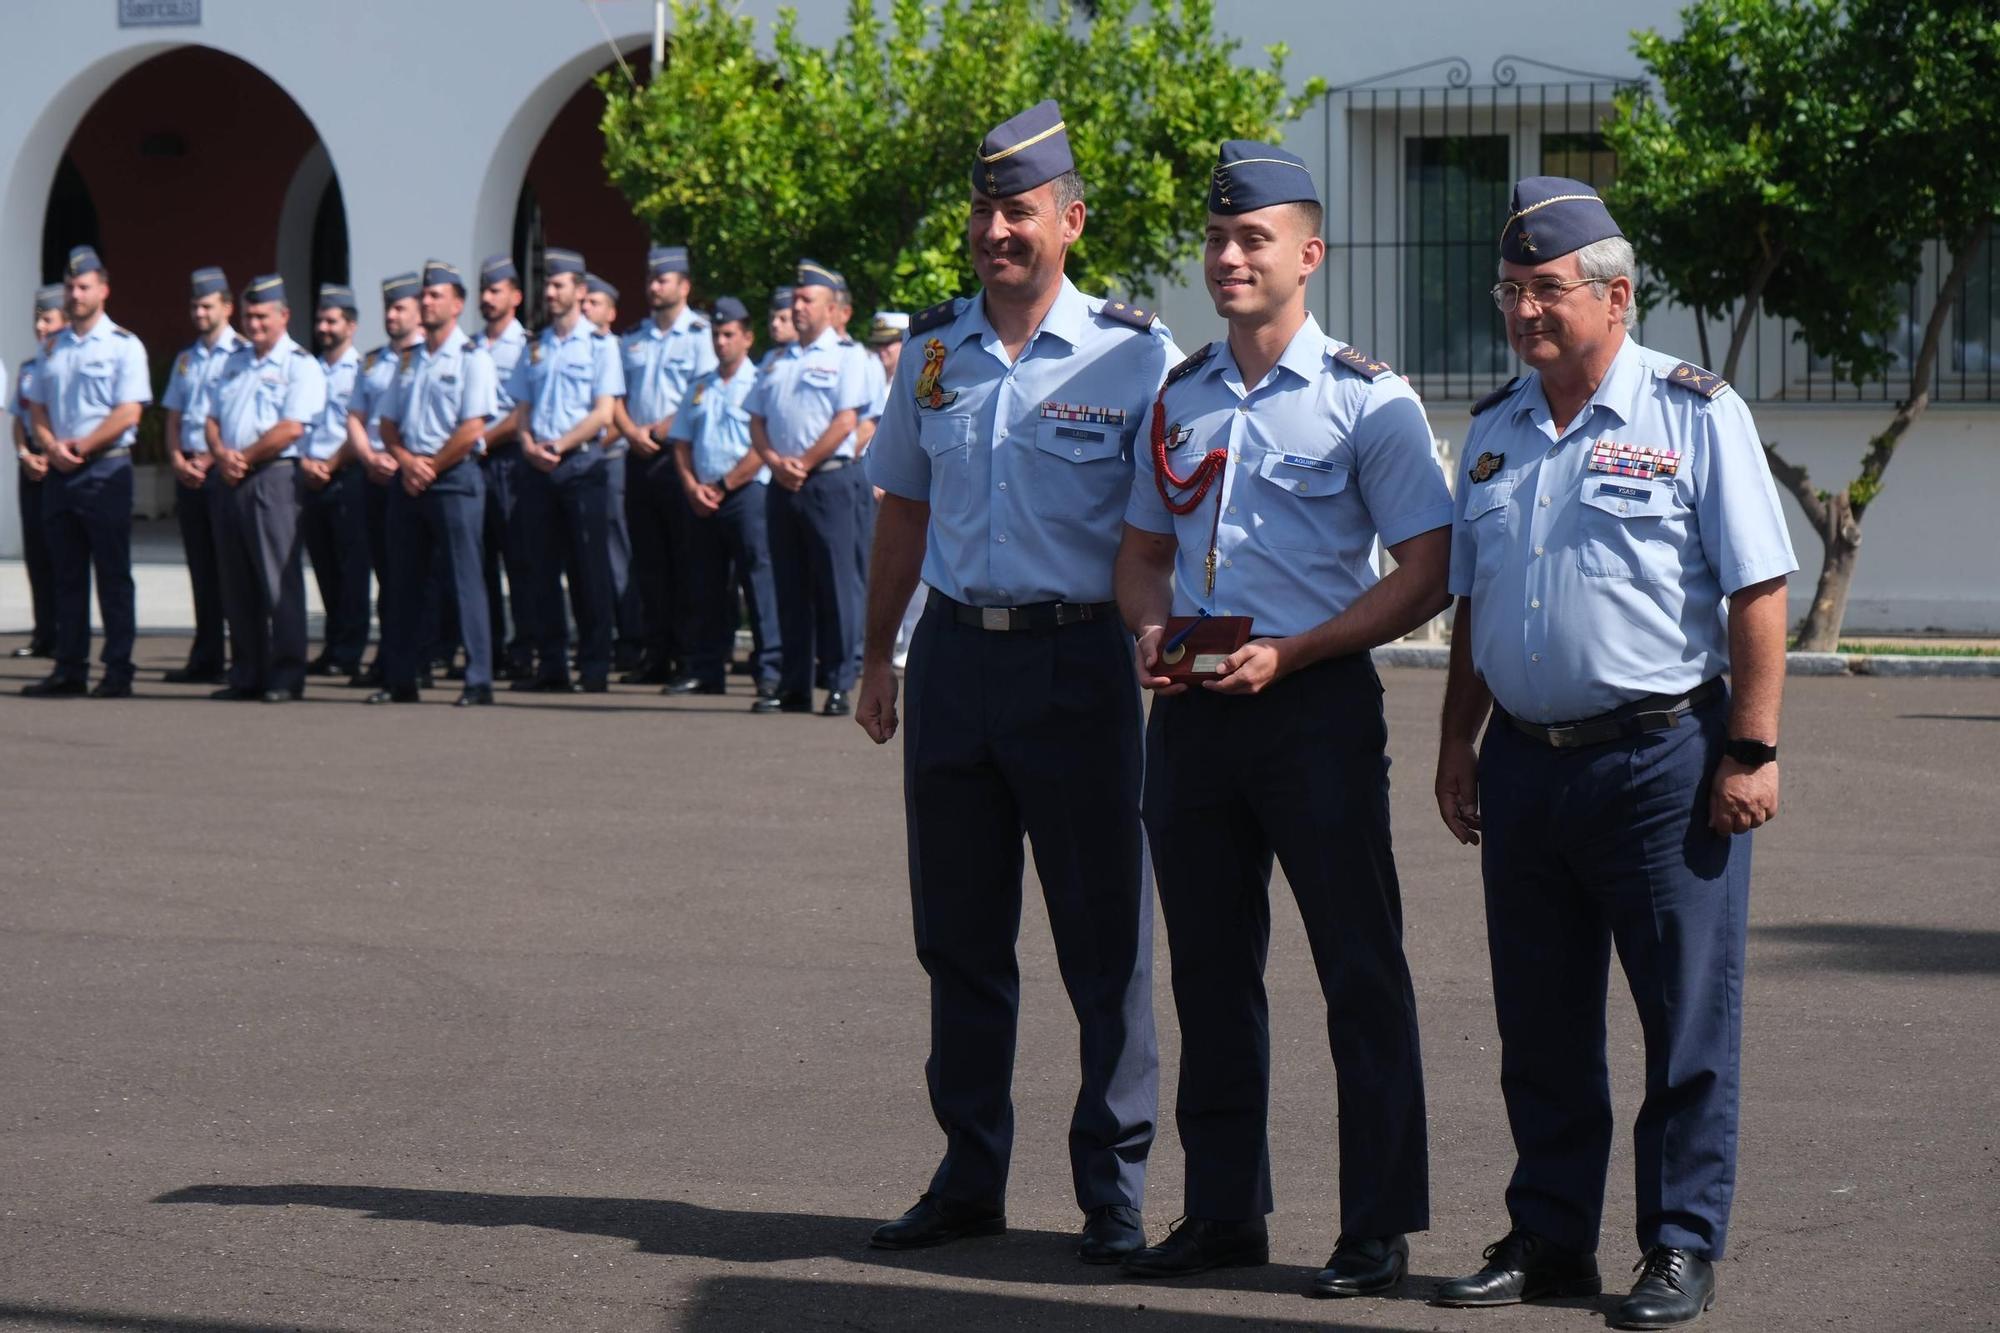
<point>1799,156</point>
<point>859,155</point>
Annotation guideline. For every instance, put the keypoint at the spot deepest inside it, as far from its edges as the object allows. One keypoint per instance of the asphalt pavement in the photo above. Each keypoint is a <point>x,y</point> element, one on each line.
<point>600,1012</point>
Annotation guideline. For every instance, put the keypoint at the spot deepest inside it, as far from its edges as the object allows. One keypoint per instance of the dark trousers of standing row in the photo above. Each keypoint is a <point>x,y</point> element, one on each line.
<point>821,597</point>
<point>1586,850</point>
<point>865,505</point>
<point>87,523</point>
<point>723,549</point>
<point>564,520</point>
<point>194,513</point>
<point>263,578</point>
<point>392,582</point>
<point>502,467</point>
<point>1035,733</point>
<point>376,507</point>
<point>626,615</point>
<point>1298,773</point>
<point>333,522</point>
<point>658,517</point>
<point>35,554</point>
<point>440,529</point>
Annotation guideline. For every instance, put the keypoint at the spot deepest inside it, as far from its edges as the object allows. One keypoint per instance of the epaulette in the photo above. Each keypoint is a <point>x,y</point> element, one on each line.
<point>698,324</point>
<point>1189,366</point>
<point>937,316</point>
<point>1131,315</point>
<point>1693,378</point>
<point>368,361</point>
<point>1362,364</point>
<point>1493,399</point>
<point>120,331</point>
<point>599,333</point>
<point>634,329</point>
<point>403,357</point>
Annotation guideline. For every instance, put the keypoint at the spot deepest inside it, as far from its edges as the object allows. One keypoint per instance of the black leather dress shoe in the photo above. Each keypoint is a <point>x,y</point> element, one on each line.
<point>1199,1244</point>
<point>541,685</point>
<point>1363,1266</point>
<point>194,676</point>
<point>284,696</point>
<point>646,676</point>
<point>690,685</point>
<point>836,704</point>
<point>112,689</point>
<point>395,697</point>
<point>1111,1232</point>
<point>323,666</point>
<point>51,687</point>
<point>593,685</point>
<point>1522,1266</point>
<point>936,1221</point>
<point>783,703</point>
<point>368,677</point>
<point>23,650</point>
<point>233,694</point>
<point>473,696</point>
<point>1674,1287</point>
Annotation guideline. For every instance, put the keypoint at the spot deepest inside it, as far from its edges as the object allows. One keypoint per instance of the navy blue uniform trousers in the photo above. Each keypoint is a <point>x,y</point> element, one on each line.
<point>87,523</point>
<point>821,597</point>
<point>564,519</point>
<point>1299,773</point>
<point>502,467</point>
<point>263,578</point>
<point>440,529</point>
<point>194,513</point>
<point>657,515</point>
<point>626,611</point>
<point>1586,850</point>
<point>333,522</point>
<point>376,506</point>
<point>728,543</point>
<point>35,555</point>
<point>1035,733</point>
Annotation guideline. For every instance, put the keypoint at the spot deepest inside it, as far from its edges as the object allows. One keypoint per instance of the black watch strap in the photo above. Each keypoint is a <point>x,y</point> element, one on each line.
<point>1750,752</point>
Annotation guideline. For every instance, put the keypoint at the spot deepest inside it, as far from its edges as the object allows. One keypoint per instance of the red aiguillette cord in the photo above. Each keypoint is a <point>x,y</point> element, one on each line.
<point>1199,480</point>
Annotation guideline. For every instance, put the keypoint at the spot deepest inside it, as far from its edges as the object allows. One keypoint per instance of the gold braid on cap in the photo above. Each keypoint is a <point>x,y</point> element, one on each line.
<point>1028,142</point>
<point>1553,199</point>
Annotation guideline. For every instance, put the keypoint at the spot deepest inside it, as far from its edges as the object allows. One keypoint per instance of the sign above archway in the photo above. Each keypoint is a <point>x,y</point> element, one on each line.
<point>159,13</point>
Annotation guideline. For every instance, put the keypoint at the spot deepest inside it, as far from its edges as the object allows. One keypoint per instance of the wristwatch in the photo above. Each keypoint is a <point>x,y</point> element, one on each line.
<point>1750,753</point>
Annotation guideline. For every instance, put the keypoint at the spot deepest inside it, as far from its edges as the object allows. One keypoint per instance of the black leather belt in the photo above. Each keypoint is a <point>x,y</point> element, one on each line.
<point>832,465</point>
<point>1655,712</point>
<point>1016,619</point>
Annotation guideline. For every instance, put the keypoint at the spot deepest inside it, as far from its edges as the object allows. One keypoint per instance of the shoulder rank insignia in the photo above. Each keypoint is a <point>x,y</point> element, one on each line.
<point>700,388</point>
<point>698,324</point>
<point>1485,466</point>
<point>182,366</point>
<point>120,331</point>
<point>1687,375</point>
<point>403,358</point>
<point>1120,313</point>
<point>1493,399</point>
<point>535,353</point>
<point>1356,360</point>
<point>368,362</point>
<point>935,317</point>
<point>1188,367</point>
<point>928,394</point>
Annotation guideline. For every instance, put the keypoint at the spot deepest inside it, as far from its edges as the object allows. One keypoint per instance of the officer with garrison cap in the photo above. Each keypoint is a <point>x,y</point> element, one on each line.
<point>271,390</point>
<point>364,443</point>
<point>783,334</point>
<point>1618,547</point>
<point>563,391</point>
<point>86,403</point>
<point>34,471</point>
<point>436,414</point>
<point>198,487</point>
<point>333,511</point>
<point>1276,458</point>
<point>502,338</point>
<point>803,411</point>
<point>1005,458</point>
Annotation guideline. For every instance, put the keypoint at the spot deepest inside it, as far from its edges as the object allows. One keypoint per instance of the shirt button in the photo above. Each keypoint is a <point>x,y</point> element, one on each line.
<point>1003,485</point>
<point>1553,452</point>
<point>1077,452</point>
<point>1003,434</point>
<point>1304,487</point>
<point>1225,564</point>
<point>1232,509</point>
<point>1003,539</point>
<point>1535,605</point>
<point>1243,407</point>
<point>1534,657</point>
<point>1545,502</point>
<point>1538,550</point>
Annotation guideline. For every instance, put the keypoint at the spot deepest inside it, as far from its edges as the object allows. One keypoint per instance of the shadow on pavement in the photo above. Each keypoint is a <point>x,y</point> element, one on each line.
<point>732,1303</point>
<point>61,1316</point>
<point>667,1226</point>
<point>1864,947</point>
<point>1949,717</point>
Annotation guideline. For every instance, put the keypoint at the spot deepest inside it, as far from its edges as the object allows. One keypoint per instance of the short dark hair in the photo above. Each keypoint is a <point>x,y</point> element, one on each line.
<point>1311,214</point>
<point>742,324</point>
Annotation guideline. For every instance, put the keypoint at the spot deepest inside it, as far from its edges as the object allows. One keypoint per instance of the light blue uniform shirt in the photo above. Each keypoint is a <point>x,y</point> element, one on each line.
<point>436,391</point>
<point>24,380</point>
<point>1592,587</point>
<point>1026,466</point>
<point>716,425</point>
<point>803,388</point>
<point>1323,457</point>
<point>372,385</point>
<point>505,352</point>
<point>660,364</point>
<point>562,378</point>
<point>83,379</point>
<point>878,388</point>
<point>254,393</point>
<point>328,431</point>
<point>191,382</point>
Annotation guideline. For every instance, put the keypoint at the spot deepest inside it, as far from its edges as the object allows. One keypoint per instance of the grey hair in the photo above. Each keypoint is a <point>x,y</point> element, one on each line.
<point>1612,257</point>
<point>1069,189</point>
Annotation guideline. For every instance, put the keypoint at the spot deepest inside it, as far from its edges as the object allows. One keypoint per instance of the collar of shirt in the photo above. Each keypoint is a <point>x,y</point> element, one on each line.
<point>281,349</point>
<point>1617,393</point>
<point>1304,356</point>
<point>454,341</point>
<point>582,329</point>
<point>350,357</point>
<point>99,332</point>
<point>1068,319</point>
<point>827,338</point>
<point>223,346</point>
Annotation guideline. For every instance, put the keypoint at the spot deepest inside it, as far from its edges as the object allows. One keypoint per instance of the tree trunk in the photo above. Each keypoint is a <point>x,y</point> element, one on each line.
<point>1841,534</point>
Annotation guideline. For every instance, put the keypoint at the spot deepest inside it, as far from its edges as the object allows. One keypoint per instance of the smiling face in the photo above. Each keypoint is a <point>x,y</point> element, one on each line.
<point>1256,264</point>
<point>333,329</point>
<point>1571,328</point>
<point>264,323</point>
<point>1018,242</point>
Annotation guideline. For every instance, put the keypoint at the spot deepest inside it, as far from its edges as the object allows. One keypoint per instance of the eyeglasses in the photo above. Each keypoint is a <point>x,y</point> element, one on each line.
<point>1544,292</point>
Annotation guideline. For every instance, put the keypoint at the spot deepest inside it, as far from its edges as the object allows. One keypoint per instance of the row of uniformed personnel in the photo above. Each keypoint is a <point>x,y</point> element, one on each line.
<point>1615,545</point>
<point>437,460</point>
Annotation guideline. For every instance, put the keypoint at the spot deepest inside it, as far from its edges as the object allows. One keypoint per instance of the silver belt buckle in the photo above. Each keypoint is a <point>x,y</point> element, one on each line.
<point>1559,737</point>
<point>996,617</point>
